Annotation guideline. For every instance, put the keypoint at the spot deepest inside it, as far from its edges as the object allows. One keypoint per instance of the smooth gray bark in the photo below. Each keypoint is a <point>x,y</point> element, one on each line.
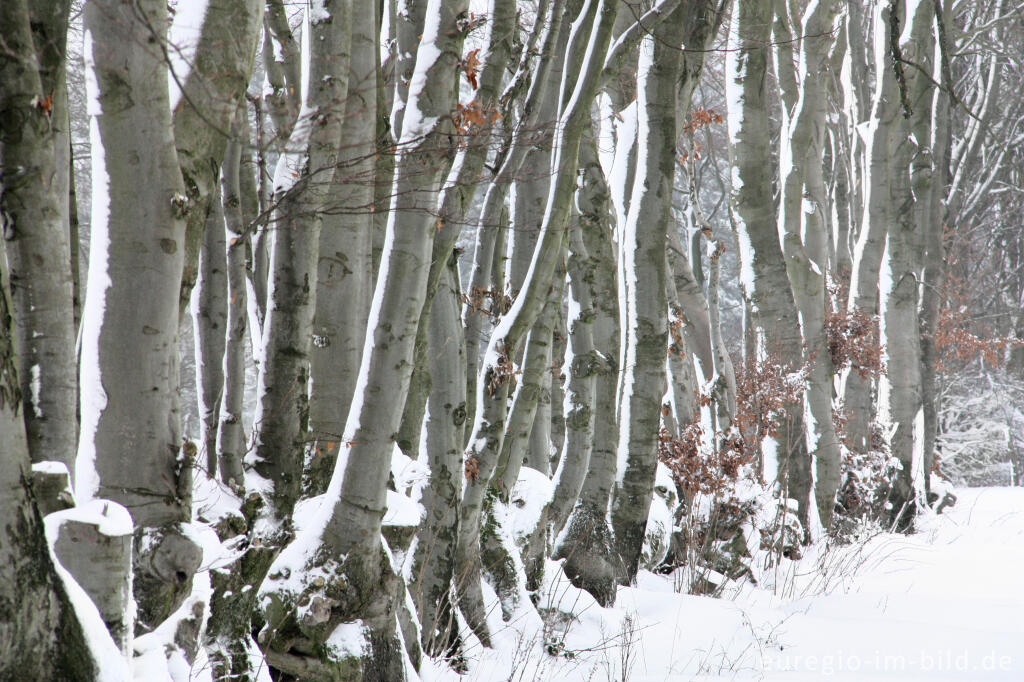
<point>303,176</point>
<point>877,216</point>
<point>349,531</point>
<point>902,262</point>
<point>209,323</point>
<point>803,233</point>
<point>216,82</point>
<point>36,232</point>
<point>459,190</point>
<point>433,568</point>
<point>39,629</point>
<point>230,430</point>
<point>344,284</point>
<point>589,40</point>
<point>766,286</point>
<point>642,257</point>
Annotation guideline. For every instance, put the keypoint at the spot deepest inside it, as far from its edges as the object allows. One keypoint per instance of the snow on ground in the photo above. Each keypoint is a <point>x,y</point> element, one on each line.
<point>943,604</point>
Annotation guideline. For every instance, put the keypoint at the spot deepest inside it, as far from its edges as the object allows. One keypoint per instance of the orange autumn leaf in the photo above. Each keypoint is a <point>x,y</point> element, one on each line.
<point>471,65</point>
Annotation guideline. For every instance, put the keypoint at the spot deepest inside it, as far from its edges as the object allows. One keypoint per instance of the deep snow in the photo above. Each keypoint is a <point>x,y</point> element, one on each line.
<point>942,604</point>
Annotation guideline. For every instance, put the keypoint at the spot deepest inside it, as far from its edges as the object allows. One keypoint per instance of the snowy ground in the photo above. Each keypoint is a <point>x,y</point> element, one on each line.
<point>943,604</point>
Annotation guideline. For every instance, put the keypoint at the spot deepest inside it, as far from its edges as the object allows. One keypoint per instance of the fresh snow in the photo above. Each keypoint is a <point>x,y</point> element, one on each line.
<point>942,604</point>
<point>182,41</point>
<point>111,519</point>
<point>90,380</point>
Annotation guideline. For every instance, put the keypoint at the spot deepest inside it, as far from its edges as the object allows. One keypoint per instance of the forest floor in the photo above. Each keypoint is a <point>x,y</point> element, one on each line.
<point>942,604</point>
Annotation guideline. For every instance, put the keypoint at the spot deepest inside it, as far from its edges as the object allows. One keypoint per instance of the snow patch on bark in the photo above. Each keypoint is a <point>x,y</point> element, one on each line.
<point>92,395</point>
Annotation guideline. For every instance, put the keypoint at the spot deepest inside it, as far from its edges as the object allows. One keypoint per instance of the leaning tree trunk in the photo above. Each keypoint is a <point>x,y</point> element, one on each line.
<point>433,566</point>
<point>878,214</point>
<point>587,44</point>
<point>348,525</point>
<point>34,205</point>
<point>591,559</point>
<point>459,190</point>
<point>762,267</point>
<point>130,449</point>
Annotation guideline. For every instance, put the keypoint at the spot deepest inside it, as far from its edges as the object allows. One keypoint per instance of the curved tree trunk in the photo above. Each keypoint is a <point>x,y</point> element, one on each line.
<point>803,233</point>
<point>591,558</point>
<point>878,214</point>
<point>348,525</point>
<point>433,567</point>
<point>590,38</point>
<point>642,244</point>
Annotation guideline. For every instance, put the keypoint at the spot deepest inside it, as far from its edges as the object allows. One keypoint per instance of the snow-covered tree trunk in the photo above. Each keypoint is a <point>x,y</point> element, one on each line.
<point>910,182</point>
<point>762,267</point>
<point>343,540</point>
<point>804,237</point>
<point>302,178</point>
<point>209,324</point>
<point>344,286</point>
<point>209,94</point>
<point>130,449</point>
<point>523,412</point>
<point>878,214</point>
<point>587,45</point>
<point>642,256</point>
<point>41,634</point>
<point>433,568</point>
<point>230,429</point>
<point>933,273</point>
<point>459,190</point>
<point>36,230</point>
<point>490,233</point>
<point>586,543</point>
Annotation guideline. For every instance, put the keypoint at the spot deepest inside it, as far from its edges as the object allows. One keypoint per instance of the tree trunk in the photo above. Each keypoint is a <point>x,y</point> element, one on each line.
<point>348,525</point>
<point>590,38</point>
<point>230,430</point>
<point>762,267</point>
<point>215,85</point>
<point>591,559</point>
<point>344,287</point>
<point>209,322</point>
<point>642,255</point>
<point>36,228</point>
<point>803,232</point>
<point>877,217</point>
<point>900,390</point>
<point>433,567</point>
<point>39,629</point>
<point>302,178</point>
